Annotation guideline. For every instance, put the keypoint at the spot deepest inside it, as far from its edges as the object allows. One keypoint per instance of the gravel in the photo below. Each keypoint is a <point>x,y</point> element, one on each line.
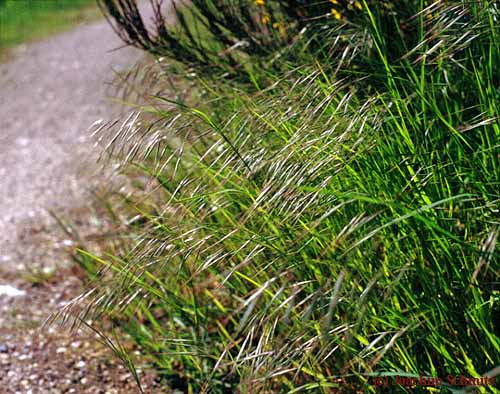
<point>51,92</point>
<point>50,95</point>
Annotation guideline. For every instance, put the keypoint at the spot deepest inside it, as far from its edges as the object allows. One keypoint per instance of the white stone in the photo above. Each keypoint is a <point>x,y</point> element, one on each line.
<point>11,291</point>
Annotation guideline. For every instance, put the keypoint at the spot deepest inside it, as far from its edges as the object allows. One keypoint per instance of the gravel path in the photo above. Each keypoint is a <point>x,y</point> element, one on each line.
<point>50,94</point>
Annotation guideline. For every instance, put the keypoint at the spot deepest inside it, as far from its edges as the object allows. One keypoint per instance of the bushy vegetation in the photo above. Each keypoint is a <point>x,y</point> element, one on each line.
<point>334,220</point>
<point>235,37</point>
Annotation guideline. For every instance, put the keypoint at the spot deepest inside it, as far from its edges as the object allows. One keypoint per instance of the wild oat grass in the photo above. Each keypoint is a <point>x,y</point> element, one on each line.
<point>339,223</point>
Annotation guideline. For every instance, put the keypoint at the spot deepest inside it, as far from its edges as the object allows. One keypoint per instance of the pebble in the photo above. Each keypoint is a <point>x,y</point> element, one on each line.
<point>81,364</point>
<point>76,344</point>
<point>11,291</point>
<point>22,141</point>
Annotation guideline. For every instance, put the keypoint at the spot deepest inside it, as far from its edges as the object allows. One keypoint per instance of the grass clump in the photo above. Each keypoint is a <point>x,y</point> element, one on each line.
<point>338,224</point>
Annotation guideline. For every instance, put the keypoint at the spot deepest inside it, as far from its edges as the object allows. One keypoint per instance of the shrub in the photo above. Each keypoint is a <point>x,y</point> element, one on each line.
<point>229,35</point>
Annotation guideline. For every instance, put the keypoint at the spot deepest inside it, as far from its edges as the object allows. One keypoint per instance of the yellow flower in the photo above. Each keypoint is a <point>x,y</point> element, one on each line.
<point>337,15</point>
<point>388,6</point>
<point>334,2</point>
<point>358,5</point>
<point>281,28</point>
<point>266,19</point>
<point>260,2</point>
